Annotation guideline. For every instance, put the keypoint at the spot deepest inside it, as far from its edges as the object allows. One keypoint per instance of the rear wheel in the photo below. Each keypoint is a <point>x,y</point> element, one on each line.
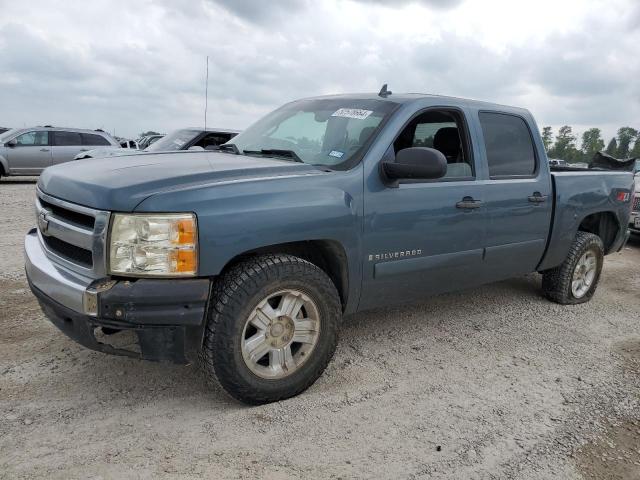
<point>272,328</point>
<point>576,280</point>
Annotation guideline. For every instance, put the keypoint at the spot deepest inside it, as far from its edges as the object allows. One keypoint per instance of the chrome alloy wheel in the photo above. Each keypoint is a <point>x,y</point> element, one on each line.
<point>280,334</point>
<point>584,274</point>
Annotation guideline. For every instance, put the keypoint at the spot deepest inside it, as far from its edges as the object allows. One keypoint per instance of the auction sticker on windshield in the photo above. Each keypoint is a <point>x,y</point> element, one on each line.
<point>352,113</point>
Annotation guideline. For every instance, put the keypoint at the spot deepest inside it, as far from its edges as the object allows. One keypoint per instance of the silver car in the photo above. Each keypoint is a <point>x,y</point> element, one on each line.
<point>28,151</point>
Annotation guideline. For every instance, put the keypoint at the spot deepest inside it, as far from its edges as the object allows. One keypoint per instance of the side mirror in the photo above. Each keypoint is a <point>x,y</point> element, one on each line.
<point>12,143</point>
<point>416,163</point>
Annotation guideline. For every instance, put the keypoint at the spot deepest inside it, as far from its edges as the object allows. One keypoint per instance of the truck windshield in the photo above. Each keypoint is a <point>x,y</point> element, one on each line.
<point>173,142</point>
<point>327,132</point>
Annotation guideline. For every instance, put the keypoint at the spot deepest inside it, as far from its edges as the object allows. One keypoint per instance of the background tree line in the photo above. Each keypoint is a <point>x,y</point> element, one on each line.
<point>625,144</point>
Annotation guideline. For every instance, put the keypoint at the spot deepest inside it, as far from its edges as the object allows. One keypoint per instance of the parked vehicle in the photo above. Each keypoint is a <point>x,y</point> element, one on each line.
<point>28,151</point>
<point>554,162</point>
<point>634,220</point>
<point>209,139</point>
<point>130,144</point>
<point>185,139</point>
<point>126,147</point>
<point>4,129</point>
<point>247,258</point>
<point>148,140</point>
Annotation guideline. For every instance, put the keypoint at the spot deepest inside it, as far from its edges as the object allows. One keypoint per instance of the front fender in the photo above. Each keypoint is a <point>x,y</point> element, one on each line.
<point>239,217</point>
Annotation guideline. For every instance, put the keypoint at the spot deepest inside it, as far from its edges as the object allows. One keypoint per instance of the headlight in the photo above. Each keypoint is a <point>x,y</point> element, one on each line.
<point>153,245</point>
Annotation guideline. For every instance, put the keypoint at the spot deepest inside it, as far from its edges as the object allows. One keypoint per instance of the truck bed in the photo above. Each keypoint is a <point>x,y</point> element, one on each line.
<point>579,193</point>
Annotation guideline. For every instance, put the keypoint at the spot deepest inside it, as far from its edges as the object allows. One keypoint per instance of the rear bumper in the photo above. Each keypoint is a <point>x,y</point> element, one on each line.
<point>159,320</point>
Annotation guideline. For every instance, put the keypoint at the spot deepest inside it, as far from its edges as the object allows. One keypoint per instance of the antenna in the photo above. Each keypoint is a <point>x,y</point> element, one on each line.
<point>206,95</point>
<point>384,93</point>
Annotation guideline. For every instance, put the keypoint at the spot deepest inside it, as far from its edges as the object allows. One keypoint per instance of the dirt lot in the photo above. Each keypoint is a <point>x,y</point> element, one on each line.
<point>490,383</point>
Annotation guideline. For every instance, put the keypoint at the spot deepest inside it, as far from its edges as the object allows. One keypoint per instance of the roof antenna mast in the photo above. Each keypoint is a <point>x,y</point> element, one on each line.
<point>384,93</point>
<point>206,95</point>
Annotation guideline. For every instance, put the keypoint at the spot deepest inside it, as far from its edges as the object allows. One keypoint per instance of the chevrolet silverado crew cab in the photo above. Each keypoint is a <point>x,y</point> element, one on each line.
<point>247,258</point>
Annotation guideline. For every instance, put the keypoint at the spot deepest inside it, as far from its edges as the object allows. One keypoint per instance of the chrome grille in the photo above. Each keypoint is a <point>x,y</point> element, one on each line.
<point>72,235</point>
<point>636,204</point>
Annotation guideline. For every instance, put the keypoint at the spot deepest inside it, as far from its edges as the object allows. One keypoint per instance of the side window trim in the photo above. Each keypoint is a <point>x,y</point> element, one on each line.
<point>536,170</point>
<point>466,138</point>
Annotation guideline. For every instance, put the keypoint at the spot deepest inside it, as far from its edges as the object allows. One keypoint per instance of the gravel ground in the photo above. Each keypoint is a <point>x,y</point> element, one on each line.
<point>492,383</point>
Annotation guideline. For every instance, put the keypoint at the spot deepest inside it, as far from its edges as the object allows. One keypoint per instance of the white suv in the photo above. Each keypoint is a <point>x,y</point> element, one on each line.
<point>28,151</point>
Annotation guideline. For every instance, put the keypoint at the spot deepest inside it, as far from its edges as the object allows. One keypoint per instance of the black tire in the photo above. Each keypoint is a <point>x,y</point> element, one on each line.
<point>233,298</point>
<point>556,282</point>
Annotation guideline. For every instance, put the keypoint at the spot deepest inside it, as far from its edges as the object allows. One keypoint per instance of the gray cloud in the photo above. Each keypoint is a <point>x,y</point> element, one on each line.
<point>441,4</point>
<point>135,73</point>
<point>261,10</point>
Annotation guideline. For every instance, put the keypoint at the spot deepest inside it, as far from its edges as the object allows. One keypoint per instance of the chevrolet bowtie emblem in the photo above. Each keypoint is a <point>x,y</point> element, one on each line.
<point>43,223</point>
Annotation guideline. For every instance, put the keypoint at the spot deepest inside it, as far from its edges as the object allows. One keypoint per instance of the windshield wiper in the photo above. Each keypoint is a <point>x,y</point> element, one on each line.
<point>229,147</point>
<point>275,152</point>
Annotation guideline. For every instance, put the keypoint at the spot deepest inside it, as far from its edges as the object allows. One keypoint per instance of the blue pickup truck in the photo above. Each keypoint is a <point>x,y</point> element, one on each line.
<point>246,259</point>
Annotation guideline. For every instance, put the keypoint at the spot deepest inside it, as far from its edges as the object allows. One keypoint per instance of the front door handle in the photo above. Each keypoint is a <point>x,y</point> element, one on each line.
<point>537,197</point>
<point>44,149</point>
<point>469,203</point>
<point>84,149</point>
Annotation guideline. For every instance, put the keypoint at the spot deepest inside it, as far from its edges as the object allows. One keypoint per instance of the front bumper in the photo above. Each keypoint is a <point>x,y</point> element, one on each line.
<point>159,320</point>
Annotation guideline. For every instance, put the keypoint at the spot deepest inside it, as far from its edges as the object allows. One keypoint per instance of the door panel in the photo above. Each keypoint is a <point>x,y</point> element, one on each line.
<point>517,229</point>
<point>31,155</point>
<point>519,196</point>
<point>418,243</point>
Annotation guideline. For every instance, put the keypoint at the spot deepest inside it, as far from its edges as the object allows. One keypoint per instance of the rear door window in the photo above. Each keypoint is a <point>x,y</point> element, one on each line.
<point>66,139</point>
<point>93,139</point>
<point>509,146</point>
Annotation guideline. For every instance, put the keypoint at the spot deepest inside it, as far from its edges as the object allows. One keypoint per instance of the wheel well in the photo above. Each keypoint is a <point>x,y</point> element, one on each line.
<point>602,224</point>
<point>328,255</point>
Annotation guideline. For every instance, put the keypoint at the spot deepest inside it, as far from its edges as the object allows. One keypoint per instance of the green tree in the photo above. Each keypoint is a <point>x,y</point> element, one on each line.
<point>565,146</point>
<point>635,152</point>
<point>547,138</point>
<point>592,142</point>
<point>612,148</point>
<point>626,135</point>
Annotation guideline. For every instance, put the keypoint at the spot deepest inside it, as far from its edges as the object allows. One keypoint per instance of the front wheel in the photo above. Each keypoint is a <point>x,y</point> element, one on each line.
<point>576,280</point>
<point>272,328</point>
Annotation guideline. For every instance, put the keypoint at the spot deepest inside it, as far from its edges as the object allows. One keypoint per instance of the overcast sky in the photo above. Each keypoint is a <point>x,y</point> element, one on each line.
<point>130,66</point>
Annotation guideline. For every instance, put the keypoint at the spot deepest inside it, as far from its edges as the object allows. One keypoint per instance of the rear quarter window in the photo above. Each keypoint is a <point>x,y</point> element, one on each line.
<point>66,139</point>
<point>508,145</point>
<point>93,139</point>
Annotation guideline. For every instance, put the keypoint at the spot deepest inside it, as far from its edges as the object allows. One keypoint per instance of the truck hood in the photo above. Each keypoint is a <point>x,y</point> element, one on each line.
<point>121,183</point>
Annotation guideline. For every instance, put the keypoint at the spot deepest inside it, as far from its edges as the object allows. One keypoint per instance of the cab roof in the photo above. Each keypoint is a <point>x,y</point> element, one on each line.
<point>406,98</point>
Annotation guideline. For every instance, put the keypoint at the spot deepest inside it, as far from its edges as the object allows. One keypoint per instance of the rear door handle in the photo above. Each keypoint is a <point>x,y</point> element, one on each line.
<point>84,149</point>
<point>537,198</point>
<point>469,203</point>
<point>44,149</point>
